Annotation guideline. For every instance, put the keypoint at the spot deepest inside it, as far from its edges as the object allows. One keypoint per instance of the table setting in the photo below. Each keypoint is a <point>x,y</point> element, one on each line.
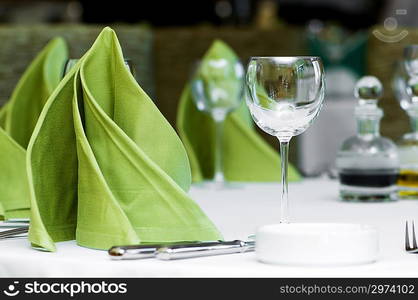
<point>97,183</point>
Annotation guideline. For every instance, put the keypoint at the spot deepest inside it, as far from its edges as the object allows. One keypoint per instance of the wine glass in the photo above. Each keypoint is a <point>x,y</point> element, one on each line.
<point>405,86</point>
<point>284,95</point>
<point>410,55</point>
<point>399,85</point>
<point>71,62</point>
<point>406,93</point>
<point>217,89</point>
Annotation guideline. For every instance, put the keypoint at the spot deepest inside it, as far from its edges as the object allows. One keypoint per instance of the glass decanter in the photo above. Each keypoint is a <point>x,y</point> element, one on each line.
<point>406,91</point>
<point>367,163</point>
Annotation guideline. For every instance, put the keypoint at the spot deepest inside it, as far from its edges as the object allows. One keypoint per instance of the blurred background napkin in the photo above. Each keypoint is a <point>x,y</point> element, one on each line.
<point>104,165</point>
<point>17,120</point>
<point>246,156</point>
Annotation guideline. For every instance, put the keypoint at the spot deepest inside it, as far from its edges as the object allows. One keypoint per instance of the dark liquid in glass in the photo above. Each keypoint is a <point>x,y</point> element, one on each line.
<point>376,178</point>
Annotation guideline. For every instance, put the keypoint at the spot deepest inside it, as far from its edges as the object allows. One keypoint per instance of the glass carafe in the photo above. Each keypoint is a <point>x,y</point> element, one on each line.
<point>368,163</point>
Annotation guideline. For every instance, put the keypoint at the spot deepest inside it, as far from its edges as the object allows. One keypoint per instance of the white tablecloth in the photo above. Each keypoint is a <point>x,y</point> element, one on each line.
<point>237,213</point>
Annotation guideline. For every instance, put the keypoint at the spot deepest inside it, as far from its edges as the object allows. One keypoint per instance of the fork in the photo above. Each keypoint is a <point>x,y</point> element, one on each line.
<point>408,247</point>
<point>13,232</point>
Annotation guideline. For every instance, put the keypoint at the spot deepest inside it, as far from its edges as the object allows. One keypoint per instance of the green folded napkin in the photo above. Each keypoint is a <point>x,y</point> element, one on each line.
<point>3,111</point>
<point>104,165</point>
<point>17,120</point>
<point>246,156</point>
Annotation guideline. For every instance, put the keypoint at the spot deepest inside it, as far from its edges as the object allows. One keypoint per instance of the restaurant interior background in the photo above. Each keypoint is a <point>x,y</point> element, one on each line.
<point>165,38</point>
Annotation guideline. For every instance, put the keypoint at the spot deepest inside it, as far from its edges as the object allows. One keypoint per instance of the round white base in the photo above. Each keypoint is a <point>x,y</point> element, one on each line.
<point>317,244</point>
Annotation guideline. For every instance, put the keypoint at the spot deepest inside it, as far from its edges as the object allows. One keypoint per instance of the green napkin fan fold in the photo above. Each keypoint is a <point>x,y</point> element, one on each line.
<point>104,165</point>
<point>246,156</point>
<point>3,113</point>
<point>17,120</point>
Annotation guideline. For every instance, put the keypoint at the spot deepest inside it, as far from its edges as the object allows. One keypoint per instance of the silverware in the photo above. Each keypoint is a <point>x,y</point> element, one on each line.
<point>180,250</point>
<point>408,247</point>
<point>204,249</point>
<point>17,220</point>
<point>13,232</point>
<point>14,223</point>
<point>19,228</point>
<point>140,251</point>
<point>10,225</point>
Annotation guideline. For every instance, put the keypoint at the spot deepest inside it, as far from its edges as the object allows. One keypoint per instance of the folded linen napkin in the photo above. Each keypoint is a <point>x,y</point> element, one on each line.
<point>104,165</point>
<point>17,120</point>
<point>246,156</point>
<point>3,111</point>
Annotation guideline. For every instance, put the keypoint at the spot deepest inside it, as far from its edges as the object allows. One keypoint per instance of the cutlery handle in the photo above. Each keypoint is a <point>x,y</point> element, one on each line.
<point>132,252</point>
<point>204,249</point>
<point>141,251</point>
<point>18,220</point>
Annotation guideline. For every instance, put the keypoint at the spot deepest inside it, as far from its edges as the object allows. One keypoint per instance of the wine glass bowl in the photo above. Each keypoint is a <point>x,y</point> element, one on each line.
<point>216,87</point>
<point>284,94</point>
<point>400,86</point>
<point>410,56</point>
<point>410,59</point>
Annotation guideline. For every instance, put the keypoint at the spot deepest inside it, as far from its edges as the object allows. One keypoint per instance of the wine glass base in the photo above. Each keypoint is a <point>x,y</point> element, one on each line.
<point>317,244</point>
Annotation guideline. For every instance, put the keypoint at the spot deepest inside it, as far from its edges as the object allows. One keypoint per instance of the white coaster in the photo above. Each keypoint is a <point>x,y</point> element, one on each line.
<point>317,244</point>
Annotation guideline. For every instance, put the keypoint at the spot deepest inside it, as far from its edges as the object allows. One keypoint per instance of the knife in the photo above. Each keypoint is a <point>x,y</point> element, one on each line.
<point>204,249</point>
<point>180,250</point>
<point>141,251</point>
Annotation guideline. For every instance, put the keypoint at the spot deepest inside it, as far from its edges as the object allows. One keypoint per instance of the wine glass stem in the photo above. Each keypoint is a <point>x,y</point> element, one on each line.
<point>413,119</point>
<point>219,175</point>
<point>284,204</point>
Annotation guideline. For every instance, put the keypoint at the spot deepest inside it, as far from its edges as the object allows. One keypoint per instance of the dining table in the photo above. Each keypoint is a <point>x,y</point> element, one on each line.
<point>238,210</point>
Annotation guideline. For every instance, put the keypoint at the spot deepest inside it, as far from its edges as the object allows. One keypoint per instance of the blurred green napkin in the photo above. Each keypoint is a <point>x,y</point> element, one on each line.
<point>246,156</point>
<point>17,120</point>
<point>104,165</point>
<point>3,111</point>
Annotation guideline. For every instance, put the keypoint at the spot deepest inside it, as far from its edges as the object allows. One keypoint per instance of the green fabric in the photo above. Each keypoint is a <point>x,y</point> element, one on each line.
<point>246,156</point>
<point>352,50</point>
<point>17,120</point>
<point>104,165</point>
<point>3,113</point>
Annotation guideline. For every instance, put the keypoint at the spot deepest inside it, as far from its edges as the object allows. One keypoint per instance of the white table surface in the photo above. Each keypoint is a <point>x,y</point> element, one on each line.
<point>237,213</point>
